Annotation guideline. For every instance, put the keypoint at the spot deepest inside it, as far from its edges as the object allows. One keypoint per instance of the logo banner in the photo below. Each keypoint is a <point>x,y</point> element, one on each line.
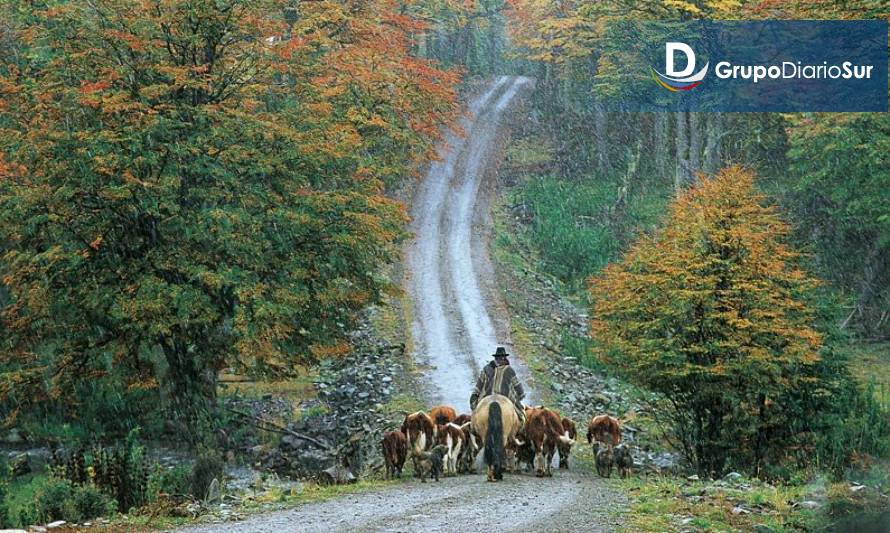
<point>744,66</point>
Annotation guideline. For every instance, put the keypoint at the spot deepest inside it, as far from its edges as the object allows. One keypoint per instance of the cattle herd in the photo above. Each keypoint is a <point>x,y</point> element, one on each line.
<point>441,442</point>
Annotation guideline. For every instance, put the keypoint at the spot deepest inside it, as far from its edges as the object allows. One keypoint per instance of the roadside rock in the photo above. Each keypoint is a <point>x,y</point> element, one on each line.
<point>337,439</point>
<point>20,465</point>
<point>808,504</point>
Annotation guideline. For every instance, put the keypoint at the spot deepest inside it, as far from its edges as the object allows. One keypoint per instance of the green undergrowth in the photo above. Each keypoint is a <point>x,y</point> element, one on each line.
<point>313,492</point>
<point>676,504</point>
<point>870,364</point>
<point>580,225</point>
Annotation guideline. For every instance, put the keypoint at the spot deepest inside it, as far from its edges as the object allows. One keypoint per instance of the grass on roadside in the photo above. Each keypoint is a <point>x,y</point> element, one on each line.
<point>673,504</point>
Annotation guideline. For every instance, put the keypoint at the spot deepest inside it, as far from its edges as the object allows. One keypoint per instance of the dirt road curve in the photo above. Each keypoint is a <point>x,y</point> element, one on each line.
<point>455,304</point>
<point>569,501</point>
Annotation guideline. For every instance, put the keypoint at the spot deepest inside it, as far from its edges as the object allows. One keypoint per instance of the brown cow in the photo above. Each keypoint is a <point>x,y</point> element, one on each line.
<point>419,429</point>
<point>442,414</point>
<point>565,448</point>
<point>452,437</point>
<point>605,429</point>
<point>395,451</point>
<point>543,428</point>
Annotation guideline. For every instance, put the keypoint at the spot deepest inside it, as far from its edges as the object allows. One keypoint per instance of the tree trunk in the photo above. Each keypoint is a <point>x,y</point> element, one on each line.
<point>493,56</point>
<point>868,307</point>
<point>192,389</point>
<point>662,151</point>
<point>472,60</point>
<point>602,142</point>
<point>682,152</point>
<point>714,144</point>
<point>695,135</point>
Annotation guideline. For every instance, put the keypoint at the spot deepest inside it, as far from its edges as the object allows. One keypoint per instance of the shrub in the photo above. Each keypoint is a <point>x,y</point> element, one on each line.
<point>54,501</point>
<point>208,467</point>
<point>60,499</point>
<point>853,425</point>
<point>121,471</point>
<point>28,515</point>
<point>4,508</point>
<point>174,481</point>
<point>90,502</point>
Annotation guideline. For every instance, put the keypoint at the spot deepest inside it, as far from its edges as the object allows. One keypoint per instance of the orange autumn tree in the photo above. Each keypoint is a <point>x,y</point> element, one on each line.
<point>709,313</point>
<point>192,185</point>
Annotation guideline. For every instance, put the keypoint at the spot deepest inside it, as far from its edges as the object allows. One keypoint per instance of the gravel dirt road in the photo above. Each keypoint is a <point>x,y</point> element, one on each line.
<point>569,501</point>
<point>456,319</point>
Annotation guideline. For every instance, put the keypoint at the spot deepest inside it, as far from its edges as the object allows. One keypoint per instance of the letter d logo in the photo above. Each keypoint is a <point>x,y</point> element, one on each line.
<point>669,49</point>
<point>682,80</point>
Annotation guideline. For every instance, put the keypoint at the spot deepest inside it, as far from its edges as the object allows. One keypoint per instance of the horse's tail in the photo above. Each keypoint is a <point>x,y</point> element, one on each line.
<point>494,440</point>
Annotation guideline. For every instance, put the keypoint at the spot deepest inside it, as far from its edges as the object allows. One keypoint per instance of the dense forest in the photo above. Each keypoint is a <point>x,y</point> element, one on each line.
<point>192,188</point>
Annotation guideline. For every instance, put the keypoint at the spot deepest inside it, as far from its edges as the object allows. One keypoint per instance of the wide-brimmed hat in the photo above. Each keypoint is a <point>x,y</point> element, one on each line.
<point>500,352</point>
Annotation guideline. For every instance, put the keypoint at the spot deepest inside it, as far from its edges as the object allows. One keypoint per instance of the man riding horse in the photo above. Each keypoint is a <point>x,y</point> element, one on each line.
<point>498,377</point>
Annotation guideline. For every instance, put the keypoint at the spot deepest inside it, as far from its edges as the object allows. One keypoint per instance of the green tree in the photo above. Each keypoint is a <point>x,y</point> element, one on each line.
<point>710,313</point>
<point>193,185</point>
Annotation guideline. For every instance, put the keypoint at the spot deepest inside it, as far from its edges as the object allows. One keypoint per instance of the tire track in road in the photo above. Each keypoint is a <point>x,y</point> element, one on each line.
<point>452,292</point>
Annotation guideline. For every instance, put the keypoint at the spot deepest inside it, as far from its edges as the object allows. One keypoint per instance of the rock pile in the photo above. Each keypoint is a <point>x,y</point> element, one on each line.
<point>340,440</point>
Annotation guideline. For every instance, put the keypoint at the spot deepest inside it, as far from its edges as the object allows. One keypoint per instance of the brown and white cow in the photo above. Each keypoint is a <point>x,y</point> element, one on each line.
<point>565,448</point>
<point>419,429</point>
<point>543,429</point>
<point>395,451</point>
<point>442,414</point>
<point>605,429</point>
<point>469,453</point>
<point>452,437</point>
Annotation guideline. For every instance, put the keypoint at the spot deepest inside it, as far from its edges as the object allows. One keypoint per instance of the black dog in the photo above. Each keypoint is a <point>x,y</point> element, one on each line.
<point>525,456</point>
<point>623,460</point>
<point>604,457</point>
<point>429,463</point>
